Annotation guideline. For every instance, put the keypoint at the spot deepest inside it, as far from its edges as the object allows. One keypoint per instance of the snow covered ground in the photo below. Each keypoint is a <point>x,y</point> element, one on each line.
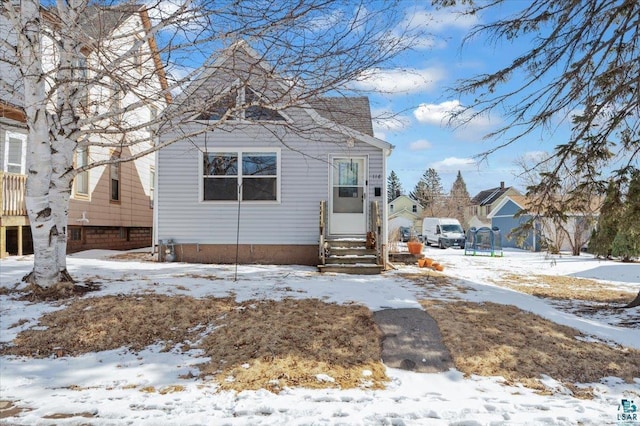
<point>109,384</point>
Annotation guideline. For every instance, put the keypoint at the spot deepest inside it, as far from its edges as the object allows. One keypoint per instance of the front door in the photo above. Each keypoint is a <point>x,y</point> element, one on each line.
<point>348,184</point>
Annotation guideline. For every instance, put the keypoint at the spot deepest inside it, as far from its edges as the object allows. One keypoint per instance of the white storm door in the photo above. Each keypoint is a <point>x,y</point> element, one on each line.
<point>348,183</point>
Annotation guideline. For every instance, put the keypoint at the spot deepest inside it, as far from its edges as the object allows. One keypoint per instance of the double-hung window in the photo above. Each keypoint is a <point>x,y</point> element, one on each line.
<point>82,178</point>
<point>15,150</point>
<point>251,175</point>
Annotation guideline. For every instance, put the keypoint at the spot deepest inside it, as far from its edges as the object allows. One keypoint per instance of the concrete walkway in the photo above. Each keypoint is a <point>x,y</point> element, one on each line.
<point>411,340</point>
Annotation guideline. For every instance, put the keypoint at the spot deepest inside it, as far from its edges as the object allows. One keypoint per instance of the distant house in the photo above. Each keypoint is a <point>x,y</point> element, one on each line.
<point>557,235</point>
<point>404,211</point>
<point>484,203</point>
<point>503,216</point>
<point>111,206</point>
<point>261,184</point>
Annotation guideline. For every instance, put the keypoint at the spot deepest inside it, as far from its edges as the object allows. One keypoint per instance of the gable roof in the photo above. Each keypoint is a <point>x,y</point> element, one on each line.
<point>351,112</point>
<point>523,202</point>
<point>349,116</point>
<point>488,196</point>
<point>519,200</point>
<point>414,201</point>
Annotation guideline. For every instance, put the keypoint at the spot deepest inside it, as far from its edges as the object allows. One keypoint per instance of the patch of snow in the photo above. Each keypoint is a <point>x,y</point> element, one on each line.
<point>121,387</point>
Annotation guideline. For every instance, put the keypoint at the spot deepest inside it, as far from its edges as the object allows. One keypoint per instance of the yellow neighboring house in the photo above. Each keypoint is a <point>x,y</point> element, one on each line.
<point>405,211</point>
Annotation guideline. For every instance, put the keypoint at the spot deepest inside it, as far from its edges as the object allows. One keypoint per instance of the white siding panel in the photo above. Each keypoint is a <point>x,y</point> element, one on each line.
<point>304,183</point>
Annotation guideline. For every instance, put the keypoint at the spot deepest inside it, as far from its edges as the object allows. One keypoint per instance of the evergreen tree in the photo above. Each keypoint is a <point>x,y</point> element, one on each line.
<point>608,222</point>
<point>429,193</point>
<point>626,244</point>
<point>459,199</point>
<point>394,187</point>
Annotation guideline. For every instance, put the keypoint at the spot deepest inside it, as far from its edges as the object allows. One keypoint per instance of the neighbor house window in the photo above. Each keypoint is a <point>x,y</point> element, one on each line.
<point>75,233</point>
<point>251,175</point>
<point>82,178</point>
<point>414,209</point>
<point>114,178</point>
<point>15,151</point>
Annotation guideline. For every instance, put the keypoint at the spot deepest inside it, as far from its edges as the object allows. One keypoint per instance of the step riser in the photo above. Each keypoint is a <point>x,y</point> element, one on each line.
<point>356,270</point>
<point>347,243</point>
<point>351,260</point>
<point>333,251</point>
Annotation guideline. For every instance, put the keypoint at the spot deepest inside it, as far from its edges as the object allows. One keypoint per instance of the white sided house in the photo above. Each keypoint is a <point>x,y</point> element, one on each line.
<point>111,206</point>
<point>267,179</point>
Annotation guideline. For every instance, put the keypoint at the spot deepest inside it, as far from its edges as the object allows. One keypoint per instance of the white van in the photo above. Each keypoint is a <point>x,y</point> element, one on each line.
<point>443,232</point>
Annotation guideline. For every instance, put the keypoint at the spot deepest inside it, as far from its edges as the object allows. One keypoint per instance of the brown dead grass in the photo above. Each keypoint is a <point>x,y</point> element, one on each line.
<point>111,322</point>
<point>497,340</point>
<point>563,287</point>
<point>252,345</point>
<point>290,342</point>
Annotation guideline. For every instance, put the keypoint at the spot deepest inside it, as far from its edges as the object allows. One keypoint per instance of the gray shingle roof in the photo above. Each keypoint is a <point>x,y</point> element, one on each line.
<point>351,112</point>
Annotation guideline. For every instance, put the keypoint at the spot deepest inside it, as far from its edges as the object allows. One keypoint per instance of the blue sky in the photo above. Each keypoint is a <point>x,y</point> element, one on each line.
<point>420,100</point>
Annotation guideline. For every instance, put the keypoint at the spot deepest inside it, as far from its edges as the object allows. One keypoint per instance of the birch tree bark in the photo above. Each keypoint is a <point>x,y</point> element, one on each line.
<point>38,163</point>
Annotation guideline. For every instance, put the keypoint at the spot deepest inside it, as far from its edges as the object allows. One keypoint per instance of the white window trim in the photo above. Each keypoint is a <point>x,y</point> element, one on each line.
<point>240,151</point>
<point>23,155</point>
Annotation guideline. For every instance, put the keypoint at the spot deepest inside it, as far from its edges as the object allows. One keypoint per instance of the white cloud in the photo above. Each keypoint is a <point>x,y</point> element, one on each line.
<point>420,145</point>
<point>428,24</point>
<point>438,114</point>
<point>440,20</point>
<point>169,15</point>
<point>455,164</point>
<point>454,114</point>
<point>400,80</point>
<point>535,156</point>
<point>327,20</point>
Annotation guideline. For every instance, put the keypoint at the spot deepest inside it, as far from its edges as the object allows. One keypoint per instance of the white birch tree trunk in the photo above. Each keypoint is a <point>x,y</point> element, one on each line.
<point>63,147</point>
<point>37,198</point>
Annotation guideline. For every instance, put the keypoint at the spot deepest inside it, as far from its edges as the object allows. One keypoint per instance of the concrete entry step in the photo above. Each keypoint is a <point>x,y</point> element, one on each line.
<point>411,340</point>
<point>356,269</point>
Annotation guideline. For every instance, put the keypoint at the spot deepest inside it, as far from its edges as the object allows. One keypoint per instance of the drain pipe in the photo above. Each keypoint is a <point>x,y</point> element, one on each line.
<point>235,277</point>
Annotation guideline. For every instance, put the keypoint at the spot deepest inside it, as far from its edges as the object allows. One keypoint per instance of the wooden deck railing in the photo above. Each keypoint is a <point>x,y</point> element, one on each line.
<point>12,194</point>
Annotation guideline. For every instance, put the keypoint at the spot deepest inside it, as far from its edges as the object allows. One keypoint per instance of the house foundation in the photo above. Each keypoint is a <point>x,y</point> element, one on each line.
<point>262,254</point>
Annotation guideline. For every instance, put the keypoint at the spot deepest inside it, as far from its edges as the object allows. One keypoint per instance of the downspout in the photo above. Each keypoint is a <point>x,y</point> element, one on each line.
<point>154,226</point>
